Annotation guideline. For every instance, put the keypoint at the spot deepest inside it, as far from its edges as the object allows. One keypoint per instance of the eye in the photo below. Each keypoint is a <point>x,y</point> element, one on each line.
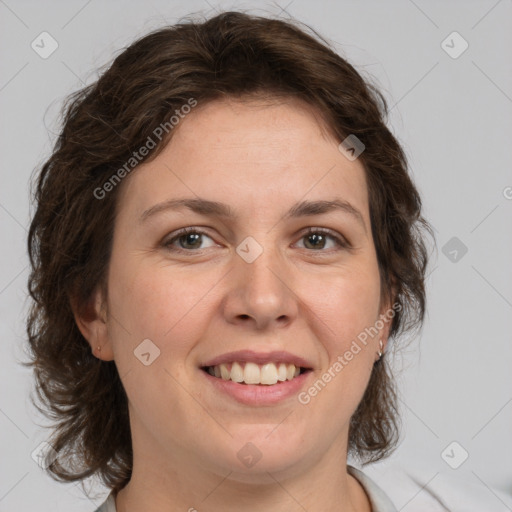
<point>188,239</point>
<point>318,239</point>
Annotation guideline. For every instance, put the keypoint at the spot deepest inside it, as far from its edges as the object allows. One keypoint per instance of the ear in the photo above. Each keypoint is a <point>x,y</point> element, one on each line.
<point>388,311</point>
<point>91,319</point>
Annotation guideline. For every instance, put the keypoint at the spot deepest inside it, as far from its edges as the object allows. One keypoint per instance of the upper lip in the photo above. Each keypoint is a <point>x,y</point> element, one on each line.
<point>276,356</point>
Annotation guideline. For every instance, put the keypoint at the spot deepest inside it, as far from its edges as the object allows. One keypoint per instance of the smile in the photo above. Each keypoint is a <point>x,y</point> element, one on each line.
<point>251,373</point>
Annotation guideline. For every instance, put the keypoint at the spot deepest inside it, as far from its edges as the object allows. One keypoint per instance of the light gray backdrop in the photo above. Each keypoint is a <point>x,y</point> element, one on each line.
<point>452,110</point>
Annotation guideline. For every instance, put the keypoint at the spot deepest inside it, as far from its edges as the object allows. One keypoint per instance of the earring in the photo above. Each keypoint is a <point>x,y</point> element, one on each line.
<point>381,348</point>
<point>98,348</point>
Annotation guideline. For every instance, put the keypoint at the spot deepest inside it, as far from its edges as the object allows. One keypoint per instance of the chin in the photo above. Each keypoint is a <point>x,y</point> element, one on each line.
<point>263,449</point>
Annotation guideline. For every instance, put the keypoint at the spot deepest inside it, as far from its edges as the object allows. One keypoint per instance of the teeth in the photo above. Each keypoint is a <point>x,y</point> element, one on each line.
<point>282,372</point>
<point>224,372</point>
<point>268,373</point>
<point>251,373</point>
<point>237,373</point>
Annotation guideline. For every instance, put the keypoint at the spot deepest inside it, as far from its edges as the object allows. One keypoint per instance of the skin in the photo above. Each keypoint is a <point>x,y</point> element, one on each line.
<point>260,158</point>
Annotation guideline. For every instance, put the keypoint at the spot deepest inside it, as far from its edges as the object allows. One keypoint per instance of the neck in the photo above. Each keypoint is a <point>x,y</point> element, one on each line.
<point>179,483</point>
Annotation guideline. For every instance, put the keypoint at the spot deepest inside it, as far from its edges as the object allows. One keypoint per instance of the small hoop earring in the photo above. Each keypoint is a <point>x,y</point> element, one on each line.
<point>381,348</point>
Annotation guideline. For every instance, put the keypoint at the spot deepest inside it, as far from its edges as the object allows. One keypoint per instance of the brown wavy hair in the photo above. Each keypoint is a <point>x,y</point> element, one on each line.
<point>230,55</point>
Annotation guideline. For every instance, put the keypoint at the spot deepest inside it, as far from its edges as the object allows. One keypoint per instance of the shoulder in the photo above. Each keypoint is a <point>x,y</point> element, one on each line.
<point>109,505</point>
<point>435,490</point>
<point>379,500</point>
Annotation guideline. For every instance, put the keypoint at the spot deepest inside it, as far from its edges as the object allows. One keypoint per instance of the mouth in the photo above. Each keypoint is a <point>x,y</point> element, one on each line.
<point>251,373</point>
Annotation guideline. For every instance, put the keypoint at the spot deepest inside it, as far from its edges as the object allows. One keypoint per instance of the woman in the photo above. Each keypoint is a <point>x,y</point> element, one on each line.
<point>226,239</point>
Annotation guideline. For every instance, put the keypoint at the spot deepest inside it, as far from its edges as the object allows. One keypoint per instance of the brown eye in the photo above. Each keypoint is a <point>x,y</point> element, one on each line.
<point>319,239</point>
<point>188,239</point>
<point>315,241</point>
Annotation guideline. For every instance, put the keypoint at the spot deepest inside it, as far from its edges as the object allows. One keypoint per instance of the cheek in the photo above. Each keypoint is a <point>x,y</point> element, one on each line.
<point>344,307</point>
<point>163,304</point>
<point>346,303</point>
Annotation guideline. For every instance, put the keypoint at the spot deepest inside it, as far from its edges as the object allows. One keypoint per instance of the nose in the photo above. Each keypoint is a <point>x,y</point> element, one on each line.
<point>261,295</point>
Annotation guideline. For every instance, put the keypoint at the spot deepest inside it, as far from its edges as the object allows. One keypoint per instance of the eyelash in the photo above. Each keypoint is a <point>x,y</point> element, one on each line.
<point>341,242</point>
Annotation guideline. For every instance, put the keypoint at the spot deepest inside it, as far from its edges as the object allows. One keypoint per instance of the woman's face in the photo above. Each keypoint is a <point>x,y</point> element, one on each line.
<point>252,178</point>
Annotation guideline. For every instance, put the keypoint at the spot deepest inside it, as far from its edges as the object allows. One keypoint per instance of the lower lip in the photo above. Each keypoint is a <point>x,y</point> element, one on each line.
<point>259,394</point>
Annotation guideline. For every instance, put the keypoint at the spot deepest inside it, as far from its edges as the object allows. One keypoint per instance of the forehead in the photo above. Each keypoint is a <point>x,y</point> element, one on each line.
<point>250,154</point>
<point>243,127</point>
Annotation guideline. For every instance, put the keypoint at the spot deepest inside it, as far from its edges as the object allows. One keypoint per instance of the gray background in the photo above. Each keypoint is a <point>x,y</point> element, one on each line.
<point>453,116</point>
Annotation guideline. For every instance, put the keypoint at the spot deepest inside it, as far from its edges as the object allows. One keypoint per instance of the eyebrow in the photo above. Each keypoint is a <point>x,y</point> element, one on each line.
<point>216,209</point>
